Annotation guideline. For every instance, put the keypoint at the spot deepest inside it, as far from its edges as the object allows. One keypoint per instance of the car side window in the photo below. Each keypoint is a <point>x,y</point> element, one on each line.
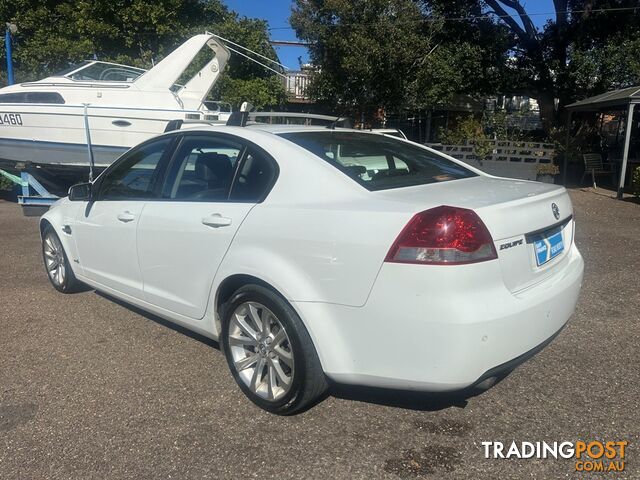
<point>254,178</point>
<point>134,178</point>
<point>202,169</point>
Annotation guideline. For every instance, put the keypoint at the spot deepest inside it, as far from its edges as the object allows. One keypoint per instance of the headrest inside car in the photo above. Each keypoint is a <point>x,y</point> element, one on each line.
<point>213,166</point>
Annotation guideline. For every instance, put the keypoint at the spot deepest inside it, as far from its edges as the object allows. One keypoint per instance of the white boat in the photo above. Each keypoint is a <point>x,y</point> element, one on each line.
<point>45,122</point>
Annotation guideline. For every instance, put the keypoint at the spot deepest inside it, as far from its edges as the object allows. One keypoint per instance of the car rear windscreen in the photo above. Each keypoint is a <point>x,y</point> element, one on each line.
<point>378,162</point>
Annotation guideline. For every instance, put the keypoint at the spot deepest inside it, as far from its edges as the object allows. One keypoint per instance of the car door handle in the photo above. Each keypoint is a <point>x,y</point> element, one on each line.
<point>216,220</point>
<point>126,217</point>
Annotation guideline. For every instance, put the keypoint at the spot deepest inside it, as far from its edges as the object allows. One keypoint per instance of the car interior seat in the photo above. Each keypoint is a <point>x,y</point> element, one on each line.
<point>213,171</point>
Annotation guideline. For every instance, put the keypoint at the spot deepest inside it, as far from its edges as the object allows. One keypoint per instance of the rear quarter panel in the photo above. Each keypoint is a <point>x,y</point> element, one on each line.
<point>318,236</point>
<point>314,252</point>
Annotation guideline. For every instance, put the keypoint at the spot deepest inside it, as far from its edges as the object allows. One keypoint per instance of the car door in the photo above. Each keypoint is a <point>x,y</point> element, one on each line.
<point>183,237</point>
<point>105,229</point>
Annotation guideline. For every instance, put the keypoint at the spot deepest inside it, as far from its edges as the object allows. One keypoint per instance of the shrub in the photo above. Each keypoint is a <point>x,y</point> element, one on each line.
<point>5,183</point>
<point>547,169</point>
<point>471,130</point>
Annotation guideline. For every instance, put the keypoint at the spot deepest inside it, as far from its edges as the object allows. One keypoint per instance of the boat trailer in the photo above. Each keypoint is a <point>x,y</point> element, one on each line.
<point>32,205</point>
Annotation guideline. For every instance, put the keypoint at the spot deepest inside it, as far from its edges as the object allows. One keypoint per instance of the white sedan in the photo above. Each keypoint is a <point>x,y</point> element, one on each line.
<point>315,253</point>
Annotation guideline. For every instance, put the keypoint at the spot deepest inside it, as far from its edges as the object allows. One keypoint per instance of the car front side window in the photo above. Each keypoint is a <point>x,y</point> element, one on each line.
<point>135,177</point>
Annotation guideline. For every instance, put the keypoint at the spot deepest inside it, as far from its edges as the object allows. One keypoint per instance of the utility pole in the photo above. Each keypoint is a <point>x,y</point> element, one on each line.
<point>289,43</point>
<point>11,28</point>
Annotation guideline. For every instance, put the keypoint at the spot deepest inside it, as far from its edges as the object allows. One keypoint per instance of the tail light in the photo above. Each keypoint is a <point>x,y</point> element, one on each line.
<point>443,236</point>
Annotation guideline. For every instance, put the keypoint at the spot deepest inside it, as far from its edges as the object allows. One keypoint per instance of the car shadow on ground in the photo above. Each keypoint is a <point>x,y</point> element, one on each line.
<point>83,287</point>
<point>410,400</point>
<point>161,321</point>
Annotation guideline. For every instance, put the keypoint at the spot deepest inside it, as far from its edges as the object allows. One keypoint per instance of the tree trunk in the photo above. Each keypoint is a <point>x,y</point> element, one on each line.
<point>548,114</point>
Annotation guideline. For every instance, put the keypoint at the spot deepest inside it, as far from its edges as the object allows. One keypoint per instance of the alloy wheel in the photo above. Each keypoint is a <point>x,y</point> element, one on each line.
<point>54,259</point>
<point>261,351</point>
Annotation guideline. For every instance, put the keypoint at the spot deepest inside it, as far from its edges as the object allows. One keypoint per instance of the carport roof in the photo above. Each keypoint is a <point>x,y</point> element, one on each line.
<point>614,98</point>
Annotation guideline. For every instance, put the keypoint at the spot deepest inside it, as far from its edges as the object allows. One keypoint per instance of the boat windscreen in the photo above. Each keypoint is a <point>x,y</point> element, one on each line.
<point>105,72</point>
<point>72,68</point>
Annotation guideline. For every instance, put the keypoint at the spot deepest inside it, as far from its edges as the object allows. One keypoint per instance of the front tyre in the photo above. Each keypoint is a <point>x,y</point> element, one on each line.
<point>269,351</point>
<point>57,264</point>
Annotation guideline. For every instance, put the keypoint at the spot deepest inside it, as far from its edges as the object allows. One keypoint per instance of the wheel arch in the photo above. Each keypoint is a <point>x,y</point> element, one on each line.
<point>44,223</point>
<point>55,220</point>
<point>231,284</point>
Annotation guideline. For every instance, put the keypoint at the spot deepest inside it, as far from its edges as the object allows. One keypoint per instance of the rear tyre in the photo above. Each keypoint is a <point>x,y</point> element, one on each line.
<point>269,351</point>
<point>57,264</point>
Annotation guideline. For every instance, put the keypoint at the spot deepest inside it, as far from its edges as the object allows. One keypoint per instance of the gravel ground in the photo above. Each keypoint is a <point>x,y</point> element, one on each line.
<point>92,389</point>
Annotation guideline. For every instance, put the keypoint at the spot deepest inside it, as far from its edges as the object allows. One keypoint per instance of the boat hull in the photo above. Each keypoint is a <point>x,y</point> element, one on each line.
<point>56,134</point>
<point>14,152</point>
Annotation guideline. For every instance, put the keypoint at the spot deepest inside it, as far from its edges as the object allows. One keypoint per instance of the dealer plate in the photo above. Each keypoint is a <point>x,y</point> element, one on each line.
<point>549,246</point>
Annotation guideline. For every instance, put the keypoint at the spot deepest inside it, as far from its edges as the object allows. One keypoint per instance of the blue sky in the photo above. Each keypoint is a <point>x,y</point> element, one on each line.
<point>277,13</point>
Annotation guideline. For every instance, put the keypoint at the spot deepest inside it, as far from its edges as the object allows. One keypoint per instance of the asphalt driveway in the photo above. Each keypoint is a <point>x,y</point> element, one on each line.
<point>92,389</point>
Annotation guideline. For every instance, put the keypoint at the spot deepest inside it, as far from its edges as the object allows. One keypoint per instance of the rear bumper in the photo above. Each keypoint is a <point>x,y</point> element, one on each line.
<point>444,331</point>
<point>495,373</point>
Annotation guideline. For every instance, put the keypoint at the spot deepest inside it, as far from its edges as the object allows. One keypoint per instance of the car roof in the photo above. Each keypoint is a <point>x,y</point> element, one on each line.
<point>268,128</point>
<point>276,129</point>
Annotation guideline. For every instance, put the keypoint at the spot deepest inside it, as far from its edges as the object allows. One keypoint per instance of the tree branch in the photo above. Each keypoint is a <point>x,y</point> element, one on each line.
<point>506,18</point>
<point>524,17</point>
<point>561,11</point>
<point>528,35</point>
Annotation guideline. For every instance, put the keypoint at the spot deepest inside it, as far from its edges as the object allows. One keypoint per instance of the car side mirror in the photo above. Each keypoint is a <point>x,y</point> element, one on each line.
<point>80,192</point>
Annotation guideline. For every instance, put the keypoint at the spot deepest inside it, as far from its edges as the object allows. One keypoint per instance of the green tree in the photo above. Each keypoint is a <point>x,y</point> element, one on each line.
<point>245,80</point>
<point>54,34</point>
<point>368,51</point>
<point>587,47</point>
<point>416,53</point>
<point>396,54</point>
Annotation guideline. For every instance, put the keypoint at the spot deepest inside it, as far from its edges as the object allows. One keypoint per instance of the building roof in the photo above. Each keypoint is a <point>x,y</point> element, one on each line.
<point>613,98</point>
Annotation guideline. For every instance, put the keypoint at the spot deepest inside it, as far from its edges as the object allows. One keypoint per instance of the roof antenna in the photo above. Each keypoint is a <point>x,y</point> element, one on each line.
<point>339,119</point>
